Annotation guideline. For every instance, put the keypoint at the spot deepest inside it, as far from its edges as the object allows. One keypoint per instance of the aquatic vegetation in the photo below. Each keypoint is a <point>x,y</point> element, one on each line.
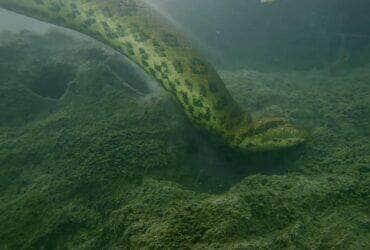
<point>165,48</point>
<point>109,165</point>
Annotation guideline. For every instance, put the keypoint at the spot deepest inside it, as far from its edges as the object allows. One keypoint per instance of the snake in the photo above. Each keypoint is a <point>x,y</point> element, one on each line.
<point>138,31</point>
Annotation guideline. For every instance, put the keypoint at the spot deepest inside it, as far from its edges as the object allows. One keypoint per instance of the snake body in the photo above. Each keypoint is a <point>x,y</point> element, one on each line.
<point>136,30</point>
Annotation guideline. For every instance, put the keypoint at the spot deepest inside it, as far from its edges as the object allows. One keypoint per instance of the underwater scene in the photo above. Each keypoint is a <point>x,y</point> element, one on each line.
<point>184,124</point>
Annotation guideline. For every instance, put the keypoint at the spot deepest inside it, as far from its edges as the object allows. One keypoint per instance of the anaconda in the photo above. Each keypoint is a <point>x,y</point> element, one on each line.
<point>139,32</point>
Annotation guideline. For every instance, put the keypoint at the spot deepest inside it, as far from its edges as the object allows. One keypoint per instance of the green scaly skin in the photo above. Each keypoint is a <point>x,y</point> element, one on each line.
<point>137,31</point>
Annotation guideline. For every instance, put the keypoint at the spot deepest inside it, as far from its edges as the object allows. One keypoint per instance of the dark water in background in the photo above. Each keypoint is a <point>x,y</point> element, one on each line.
<point>289,33</point>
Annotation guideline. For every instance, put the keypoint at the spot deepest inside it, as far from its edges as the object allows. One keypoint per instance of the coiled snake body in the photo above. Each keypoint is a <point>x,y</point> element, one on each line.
<point>136,30</point>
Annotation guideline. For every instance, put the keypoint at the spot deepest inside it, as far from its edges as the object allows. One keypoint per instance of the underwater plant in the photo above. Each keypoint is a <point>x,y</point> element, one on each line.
<point>102,165</point>
<point>145,30</point>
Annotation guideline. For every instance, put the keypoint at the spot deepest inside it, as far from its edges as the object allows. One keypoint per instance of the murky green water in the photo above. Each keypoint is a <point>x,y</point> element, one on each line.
<point>96,153</point>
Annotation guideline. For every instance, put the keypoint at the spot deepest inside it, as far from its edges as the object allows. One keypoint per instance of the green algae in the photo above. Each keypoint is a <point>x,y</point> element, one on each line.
<point>109,167</point>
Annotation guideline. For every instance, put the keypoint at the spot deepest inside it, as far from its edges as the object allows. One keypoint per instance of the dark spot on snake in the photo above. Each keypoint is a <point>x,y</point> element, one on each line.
<point>179,67</point>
